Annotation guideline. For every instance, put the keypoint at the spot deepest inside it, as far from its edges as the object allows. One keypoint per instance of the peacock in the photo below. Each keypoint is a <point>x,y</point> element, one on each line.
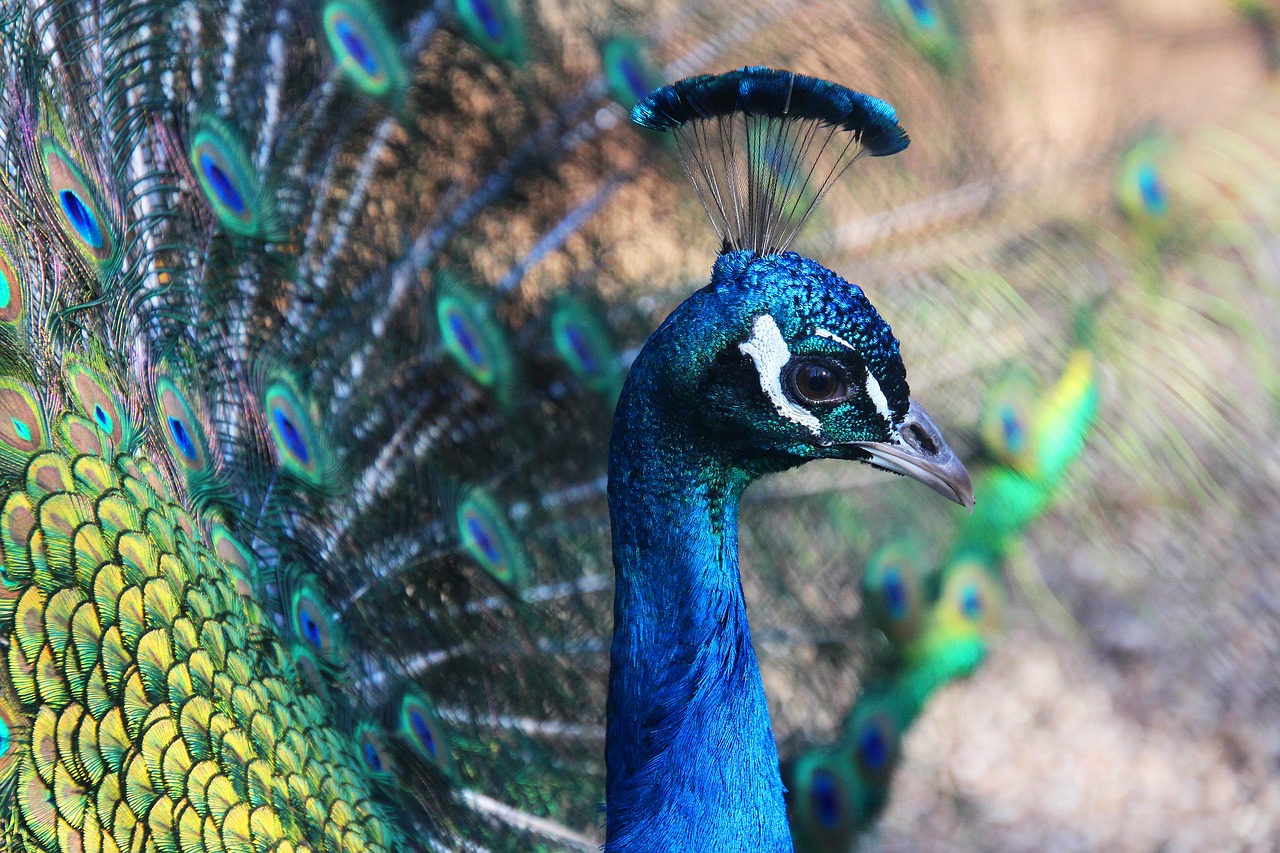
<point>317,319</point>
<point>776,362</point>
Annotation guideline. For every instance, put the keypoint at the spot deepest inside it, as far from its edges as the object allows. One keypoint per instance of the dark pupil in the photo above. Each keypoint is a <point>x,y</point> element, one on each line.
<point>1012,429</point>
<point>355,45</point>
<point>816,382</point>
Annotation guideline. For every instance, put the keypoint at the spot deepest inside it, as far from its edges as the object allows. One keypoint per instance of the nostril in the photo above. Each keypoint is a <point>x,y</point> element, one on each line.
<point>916,436</point>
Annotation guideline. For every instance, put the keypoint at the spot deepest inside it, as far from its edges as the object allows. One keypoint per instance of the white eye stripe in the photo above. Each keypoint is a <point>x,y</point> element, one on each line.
<point>768,350</point>
<point>877,396</point>
<point>832,336</point>
<point>874,391</point>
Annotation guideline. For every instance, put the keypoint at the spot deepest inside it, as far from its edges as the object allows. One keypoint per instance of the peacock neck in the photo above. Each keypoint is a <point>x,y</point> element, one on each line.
<point>692,763</point>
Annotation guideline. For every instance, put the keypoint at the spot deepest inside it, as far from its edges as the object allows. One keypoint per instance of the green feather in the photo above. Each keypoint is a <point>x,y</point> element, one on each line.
<point>367,56</point>
<point>229,181</point>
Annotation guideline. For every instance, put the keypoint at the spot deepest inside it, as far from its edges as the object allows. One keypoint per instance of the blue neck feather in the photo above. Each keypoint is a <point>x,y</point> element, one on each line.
<point>692,763</point>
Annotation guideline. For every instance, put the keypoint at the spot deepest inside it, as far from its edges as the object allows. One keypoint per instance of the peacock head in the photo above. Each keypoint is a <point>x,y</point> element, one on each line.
<point>780,361</point>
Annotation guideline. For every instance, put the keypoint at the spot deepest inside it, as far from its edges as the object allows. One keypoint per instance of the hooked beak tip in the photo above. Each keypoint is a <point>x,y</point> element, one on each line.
<point>922,454</point>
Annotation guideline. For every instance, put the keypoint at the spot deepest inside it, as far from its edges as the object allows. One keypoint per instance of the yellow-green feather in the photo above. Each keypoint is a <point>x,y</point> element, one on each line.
<point>136,708</point>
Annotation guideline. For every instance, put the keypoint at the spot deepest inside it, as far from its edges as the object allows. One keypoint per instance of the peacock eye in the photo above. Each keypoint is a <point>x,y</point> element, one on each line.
<point>813,382</point>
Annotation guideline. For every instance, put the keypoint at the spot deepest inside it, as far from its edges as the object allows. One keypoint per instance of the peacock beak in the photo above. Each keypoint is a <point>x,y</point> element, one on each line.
<point>920,452</point>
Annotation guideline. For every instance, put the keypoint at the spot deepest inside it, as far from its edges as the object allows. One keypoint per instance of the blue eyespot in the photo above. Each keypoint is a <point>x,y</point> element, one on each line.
<point>1012,429</point>
<point>971,602</point>
<point>354,42</point>
<point>923,12</point>
<point>310,630</point>
<point>582,350</point>
<point>874,749</point>
<point>423,732</point>
<point>21,428</point>
<point>221,184</point>
<point>826,799</point>
<point>635,77</point>
<point>1152,188</point>
<point>6,738</point>
<point>6,289</point>
<point>467,340</point>
<point>484,535</point>
<point>78,214</point>
<point>895,593</point>
<point>372,758</point>
<point>102,418</point>
<point>181,438</point>
<point>489,17</point>
<point>292,438</point>
<point>484,540</point>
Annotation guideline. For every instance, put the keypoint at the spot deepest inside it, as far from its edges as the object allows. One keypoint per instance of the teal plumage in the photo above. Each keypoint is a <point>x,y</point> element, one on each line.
<point>312,322</point>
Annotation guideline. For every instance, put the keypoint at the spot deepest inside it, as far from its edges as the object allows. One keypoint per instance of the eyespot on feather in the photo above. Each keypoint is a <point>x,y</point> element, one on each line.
<point>76,201</point>
<point>971,597</point>
<point>97,401</point>
<point>824,807</point>
<point>893,588</point>
<point>182,431</point>
<point>1008,422</point>
<point>486,535</point>
<point>928,25</point>
<point>313,621</point>
<point>473,337</point>
<point>366,53</point>
<point>22,424</point>
<point>420,726</point>
<point>372,747</point>
<point>229,181</point>
<point>301,449</point>
<point>494,26</point>
<point>582,341</point>
<point>875,743</point>
<point>628,71</point>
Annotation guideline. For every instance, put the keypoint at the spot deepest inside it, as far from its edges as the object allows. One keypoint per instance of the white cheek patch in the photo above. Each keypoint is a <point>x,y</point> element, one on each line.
<point>769,351</point>
<point>874,391</point>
